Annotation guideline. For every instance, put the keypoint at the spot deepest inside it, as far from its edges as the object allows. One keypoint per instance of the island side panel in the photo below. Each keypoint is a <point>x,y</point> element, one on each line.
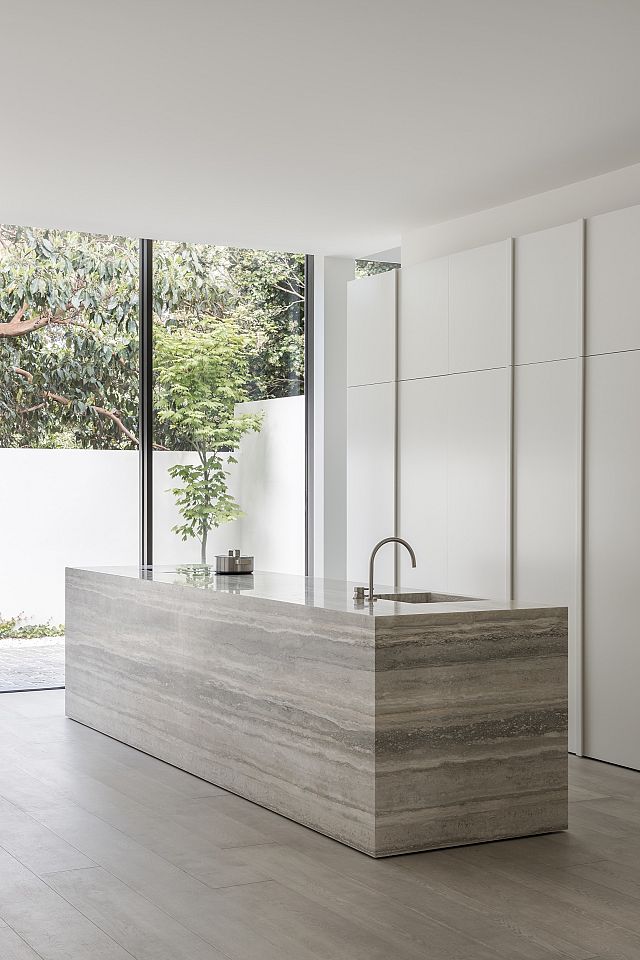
<point>269,700</point>
<point>471,728</point>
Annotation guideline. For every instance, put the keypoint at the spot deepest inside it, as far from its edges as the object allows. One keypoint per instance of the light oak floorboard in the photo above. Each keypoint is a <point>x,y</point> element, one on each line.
<point>109,854</point>
<point>196,853</point>
<point>128,918</point>
<point>53,928</point>
<point>37,848</point>
<point>13,947</point>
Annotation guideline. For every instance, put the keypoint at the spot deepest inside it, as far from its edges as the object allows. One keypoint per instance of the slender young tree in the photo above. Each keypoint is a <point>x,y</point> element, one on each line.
<point>228,326</point>
<point>200,377</point>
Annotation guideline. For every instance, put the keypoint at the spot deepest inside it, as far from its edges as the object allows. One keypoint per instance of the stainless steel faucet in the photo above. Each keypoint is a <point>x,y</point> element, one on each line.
<point>372,558</point>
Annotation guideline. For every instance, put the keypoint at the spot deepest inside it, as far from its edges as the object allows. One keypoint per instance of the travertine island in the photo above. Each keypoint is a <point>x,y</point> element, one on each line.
<point>394,727</point>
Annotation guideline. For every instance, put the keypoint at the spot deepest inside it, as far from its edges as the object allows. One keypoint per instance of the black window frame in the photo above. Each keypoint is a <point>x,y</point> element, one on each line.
<point>145,409</point>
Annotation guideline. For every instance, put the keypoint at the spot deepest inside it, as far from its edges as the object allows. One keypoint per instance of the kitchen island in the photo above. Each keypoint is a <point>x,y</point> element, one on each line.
<point>393,727</point>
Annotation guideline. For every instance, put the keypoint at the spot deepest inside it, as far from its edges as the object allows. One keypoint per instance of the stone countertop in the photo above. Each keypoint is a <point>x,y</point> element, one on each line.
<point>318,594</point>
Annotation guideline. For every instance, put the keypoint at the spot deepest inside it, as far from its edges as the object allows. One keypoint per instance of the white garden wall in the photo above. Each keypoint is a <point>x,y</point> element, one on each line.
<point>80,508</point>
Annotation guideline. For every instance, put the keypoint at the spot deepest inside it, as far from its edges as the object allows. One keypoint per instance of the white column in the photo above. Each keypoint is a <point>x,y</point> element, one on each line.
<point>331,275</point>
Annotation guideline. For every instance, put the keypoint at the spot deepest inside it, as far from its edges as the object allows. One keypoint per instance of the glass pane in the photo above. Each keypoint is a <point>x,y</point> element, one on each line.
<point>68,422</point>
<point>369,268</point>
<point>229,466</point>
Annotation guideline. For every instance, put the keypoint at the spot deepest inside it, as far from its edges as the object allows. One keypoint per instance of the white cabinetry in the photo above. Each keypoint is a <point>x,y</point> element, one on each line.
<point>455,313</point>
<point>546,499</point>
<point>423,328</point>
<point>548,294</point>
<point>480,308</point>
<point>371,426</point>
<point>477,484</point>
<point>422,480</point>
<point>613,281</point>
<point>612,559</point>
<point>453,482</point>
<point>522,478</point>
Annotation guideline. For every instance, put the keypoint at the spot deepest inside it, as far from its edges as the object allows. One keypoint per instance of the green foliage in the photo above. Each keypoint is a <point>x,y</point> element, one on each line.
<point>269,290</point>
<point>15,627</point>
<point>203,499</point>
<point>369,268</point>
<point>229,326</point>
<point>261,291</point>
<point>85,289</point>
<point>200,377</point>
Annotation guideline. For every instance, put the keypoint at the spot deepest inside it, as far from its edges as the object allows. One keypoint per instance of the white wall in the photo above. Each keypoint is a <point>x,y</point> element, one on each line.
<point>331,276</point>
<point>168,548</point>
<point>619,188</point>
<point>80,508</point>
<point>269,484</point>
<point>68,507</point>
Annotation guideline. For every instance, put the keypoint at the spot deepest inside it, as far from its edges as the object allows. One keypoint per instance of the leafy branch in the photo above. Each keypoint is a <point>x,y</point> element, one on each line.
<point>200,376</point>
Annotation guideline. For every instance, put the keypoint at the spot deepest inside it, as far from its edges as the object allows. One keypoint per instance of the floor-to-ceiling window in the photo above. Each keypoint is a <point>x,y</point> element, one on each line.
<point>229,417</point>
<point>68,431</point>
<point>226,410</point>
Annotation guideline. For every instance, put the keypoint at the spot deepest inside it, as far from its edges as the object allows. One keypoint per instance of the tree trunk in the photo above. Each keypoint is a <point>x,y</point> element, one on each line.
<point>205,529</point>
<point>203,546</point>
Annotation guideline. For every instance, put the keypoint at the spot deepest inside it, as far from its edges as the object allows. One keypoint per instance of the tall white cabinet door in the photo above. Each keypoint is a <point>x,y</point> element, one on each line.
<point>371,329</point>
<point>613,281</point>
<point>546,486</point>
<point>478,434</point>
<point>612,559</point>
<point>422,481</point>
<point>480,308</point>
<point>423,319</point>
<point>548,294</point>
<point>371,418</point>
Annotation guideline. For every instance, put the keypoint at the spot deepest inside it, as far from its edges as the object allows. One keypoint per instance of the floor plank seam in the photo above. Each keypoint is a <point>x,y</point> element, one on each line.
<point>156,906</point>
<point>130,836</point>
<point>242,846</point>
<point>57,873</point>
<point>70,798</point>
<point>431,919</point>
<point>72,905</point>
<point>22,939</point>
<point>557,910</point>
<point>161,909</point>
<point>111,827</point>
<point>582,913</point>
<point>610,796</point>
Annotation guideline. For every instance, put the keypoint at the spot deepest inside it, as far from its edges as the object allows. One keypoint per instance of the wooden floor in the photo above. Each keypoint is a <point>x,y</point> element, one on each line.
<point>107,854</point>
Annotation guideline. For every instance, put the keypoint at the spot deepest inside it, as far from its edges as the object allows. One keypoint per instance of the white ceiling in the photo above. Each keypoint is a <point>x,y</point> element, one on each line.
<point>331,126</point>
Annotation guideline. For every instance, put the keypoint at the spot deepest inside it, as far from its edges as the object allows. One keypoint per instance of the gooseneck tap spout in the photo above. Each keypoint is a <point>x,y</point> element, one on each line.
<point>372,558</point>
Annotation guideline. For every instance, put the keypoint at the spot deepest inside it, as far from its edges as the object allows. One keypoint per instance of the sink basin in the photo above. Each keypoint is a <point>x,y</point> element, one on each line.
<point>421,597</point>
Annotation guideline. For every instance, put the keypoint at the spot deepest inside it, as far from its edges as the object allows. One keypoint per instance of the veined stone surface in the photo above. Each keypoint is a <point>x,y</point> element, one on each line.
<point>387,728</point>
<point>471,728</point>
